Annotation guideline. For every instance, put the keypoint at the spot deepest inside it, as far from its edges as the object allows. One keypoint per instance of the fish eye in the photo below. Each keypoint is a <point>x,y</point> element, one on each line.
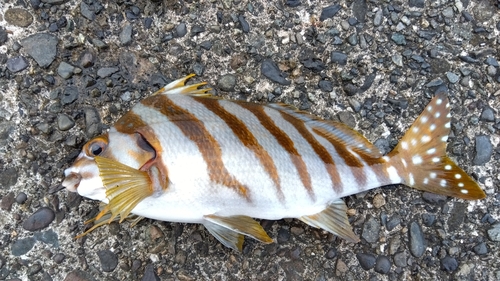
<point>96,147</point>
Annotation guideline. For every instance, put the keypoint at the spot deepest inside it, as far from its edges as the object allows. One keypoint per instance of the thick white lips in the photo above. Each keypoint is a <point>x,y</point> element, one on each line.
<point>72,181</point>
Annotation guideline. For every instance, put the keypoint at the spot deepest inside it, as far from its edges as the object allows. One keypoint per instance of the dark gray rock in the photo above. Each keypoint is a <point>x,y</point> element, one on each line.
<point>181,29</point>
<point>359,9</point>
<point>93,123</point>
<point>428,219</point>
<point>449,264</point>
<point>417,3</point>
<point>64,122</point>
<point>383,265</point>
<point>65,70</point>
<point>54,2</point>
<point>480,249</point>
<point>244,24</point>
<point>227,82</point>
<point>488,114</point>
<point>21,198</point>
<point>150,274</point>
<point>87,11</point>
<point>18,17</point>
<point>366,260</point>
<point>3,35</point>
<point>48,237</point>
<point>271,71</point>
<point>17,64</point>
<point>483,151</point>
<point>491,61</point>
<point>494,233</point>
<point>106,71</point>
<point>69,95</point>
<point>7,201</point>
<point>59,258</point>
<point>433,198</point>
<point>39,220</point>
<point>325,86</point>
<point>393,222</point>
<point>417,240</point>
<point>371,230</point>
<point>329,12</point>
<point>398,38</point>
<point>283,235</point>
<point>108,260</point>
<point>292,3</point>
<point>42,47</point>
<point>22,246</point>
<point>126,35</point>
<point>452,77</point>
<point>8,177</point>
<point>377,20</point>
<point>314,64</point>
<point>400,259</point>
<point>339,58</point>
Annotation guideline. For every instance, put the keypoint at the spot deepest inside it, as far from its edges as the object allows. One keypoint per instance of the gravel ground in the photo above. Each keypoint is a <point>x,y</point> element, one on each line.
<point>68,70</point>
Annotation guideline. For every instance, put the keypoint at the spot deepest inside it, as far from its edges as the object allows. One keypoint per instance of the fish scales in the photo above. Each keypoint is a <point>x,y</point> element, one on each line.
<point>181,155</point>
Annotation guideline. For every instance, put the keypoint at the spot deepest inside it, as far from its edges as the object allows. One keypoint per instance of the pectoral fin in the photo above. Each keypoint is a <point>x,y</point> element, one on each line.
<point>125,187</point>
<point>227,237</point>
<point>238,225</point>
<point>333,219</point>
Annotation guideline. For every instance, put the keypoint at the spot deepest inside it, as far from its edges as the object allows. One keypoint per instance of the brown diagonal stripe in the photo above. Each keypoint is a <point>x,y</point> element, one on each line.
<point>196,131</point>
<point>246,137</point>
<point>349,159</point>
<point>285,142</point>
<point>319,149</point>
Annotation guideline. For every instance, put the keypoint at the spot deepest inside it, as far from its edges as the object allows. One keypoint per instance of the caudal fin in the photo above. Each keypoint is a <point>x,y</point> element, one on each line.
<point>420,157</point>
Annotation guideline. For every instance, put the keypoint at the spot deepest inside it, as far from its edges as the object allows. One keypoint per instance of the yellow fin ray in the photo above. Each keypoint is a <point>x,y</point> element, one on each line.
<point>125,187</point>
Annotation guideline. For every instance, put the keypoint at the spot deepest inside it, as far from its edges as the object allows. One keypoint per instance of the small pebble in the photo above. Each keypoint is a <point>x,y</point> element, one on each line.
<point>371,230</point>
<point>227,83</point>
<point>449,264</point>
<point>39,220</point>
<point>494,233</point>
<point>108,260</point>
<point>329,12</point>
<point>483,150</point>
<point>366,261</point>
<point>21,198</point>
<point>378,201</point>
<point>417,240</point>
<point>382,265</point>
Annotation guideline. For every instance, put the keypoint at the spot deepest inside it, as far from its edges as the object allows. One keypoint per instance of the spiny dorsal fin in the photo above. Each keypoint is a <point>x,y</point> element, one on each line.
<point>334,220</point>
<point>179,87</point>
<point>422,153</point>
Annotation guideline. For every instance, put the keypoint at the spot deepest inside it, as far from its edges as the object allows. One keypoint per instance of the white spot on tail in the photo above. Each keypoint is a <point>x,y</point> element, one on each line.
<point>464,191</point>
<point>447,105</point>
<point>460,184</point>
<point>437,114</point>
<point>386,158</point>
<point>443,183</point>
<point>424,119</point>
<point>413,142</point>
<point>415,129</point>
<point>444,139</point>
<point>411,180</point>
<point>439,101</point>
<point>432,127</point>
<point>426,139</point>
<point>426,180</point>
<point>458,176</point>
<point>433,175</point>
<point>447,125</point>
<point>404,162</point>
<point>447,167</point>
<point>404,145</point>
<point>435,159</point>
<point>448,115</point>
<point>393,174</point>
<point>431,151</point>
<point>429,108</point>
<point>416,160</point>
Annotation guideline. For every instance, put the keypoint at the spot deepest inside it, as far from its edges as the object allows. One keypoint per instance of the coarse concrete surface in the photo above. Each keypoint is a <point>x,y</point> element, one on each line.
<point>69,69</point>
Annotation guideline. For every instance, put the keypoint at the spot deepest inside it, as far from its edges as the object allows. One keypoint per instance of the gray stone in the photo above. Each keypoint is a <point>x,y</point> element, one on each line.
<point>126,35</point>
<point>271,71</point>
<point>227,83</point>
<point>8,177</point>
<point>483,151</point>
<point>48,237</point>
<point>244,24</point>
<point>452,77</point>
<point>397,59</point>
<point>87,11</point>
<point>448,12</point>
<point>339,58</point>
<point>65,70</point>
<point>18,17</point>
<point>417,3</point>
<point>400,259</point>
<point>54,2</point>
<point>329,12</point>
<point>494,233</point>
<point>491,61</point>
<point>22,246</point>
<point>398,38</point>
<point>480,249</point>
<point>371,230</point>
<point>383,265</point>
<point>64,122</point>
<point>377,20</point>
<point>3,35</point>
<point>92,122</point>
<point>488,114</point>
<point>17,64</point>
<point>181,29</point>
<point>108,259</point>
<point>79,275</point>
<point>106,71</point>
<point>417,240</point>
<point>366,260</point>
<point>449,264</point>
<point>69,95</point>
<point>42,47</point>
<point>39,220</point>
<point>150,274</point>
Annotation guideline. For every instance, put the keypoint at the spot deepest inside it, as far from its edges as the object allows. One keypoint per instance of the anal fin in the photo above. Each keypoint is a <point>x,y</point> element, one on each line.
<point>227,228</point>
<point>334,220</point>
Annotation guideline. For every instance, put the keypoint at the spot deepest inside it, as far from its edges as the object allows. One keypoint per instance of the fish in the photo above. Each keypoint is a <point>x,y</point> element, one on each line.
<point>183,155</point>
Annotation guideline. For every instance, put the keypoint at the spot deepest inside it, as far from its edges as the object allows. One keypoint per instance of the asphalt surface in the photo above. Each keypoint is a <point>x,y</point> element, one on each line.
<point>68,70</point>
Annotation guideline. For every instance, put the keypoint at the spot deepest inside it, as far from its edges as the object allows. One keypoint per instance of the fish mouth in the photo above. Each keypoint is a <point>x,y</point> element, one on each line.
<point>72,181</point>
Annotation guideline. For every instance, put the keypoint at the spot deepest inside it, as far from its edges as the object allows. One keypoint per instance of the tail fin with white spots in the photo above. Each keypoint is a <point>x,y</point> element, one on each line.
<point>420,157</point>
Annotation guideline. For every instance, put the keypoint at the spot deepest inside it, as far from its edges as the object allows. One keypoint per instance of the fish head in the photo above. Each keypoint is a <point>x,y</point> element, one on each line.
<point>83,176</point>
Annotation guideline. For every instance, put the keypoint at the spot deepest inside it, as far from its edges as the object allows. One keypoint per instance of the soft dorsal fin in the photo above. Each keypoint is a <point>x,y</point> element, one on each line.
<point>341,133</point>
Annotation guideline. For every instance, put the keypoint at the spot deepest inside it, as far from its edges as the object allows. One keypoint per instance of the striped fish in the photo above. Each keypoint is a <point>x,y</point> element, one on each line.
<point>182,155</point>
